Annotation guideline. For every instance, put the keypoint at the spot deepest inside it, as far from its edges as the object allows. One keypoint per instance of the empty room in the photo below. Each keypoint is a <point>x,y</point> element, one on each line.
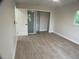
<point>39,29</point>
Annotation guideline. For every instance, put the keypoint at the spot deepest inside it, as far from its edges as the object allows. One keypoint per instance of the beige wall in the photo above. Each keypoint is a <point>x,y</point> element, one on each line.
<point>64,22</point>
<point>7,32</point>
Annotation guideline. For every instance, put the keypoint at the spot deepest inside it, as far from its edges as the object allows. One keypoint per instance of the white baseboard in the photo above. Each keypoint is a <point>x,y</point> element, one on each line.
<point>50,31</point>
<point>31,33</point>
<point>15,45</point>
<point>72,40</point>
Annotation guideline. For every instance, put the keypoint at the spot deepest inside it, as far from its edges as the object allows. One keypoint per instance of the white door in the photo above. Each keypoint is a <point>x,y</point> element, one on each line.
<point>21,22</point>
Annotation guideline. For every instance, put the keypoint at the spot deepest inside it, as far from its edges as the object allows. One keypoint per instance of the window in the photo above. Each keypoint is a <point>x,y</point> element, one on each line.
<point>77,18</point>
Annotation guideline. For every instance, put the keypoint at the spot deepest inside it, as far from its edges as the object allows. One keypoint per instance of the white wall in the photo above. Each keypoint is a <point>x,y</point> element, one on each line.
<point>7,30</point>
<point>51,22</point>
<point>44,19</point>
<point>21,21</point>
<point>64,22</point>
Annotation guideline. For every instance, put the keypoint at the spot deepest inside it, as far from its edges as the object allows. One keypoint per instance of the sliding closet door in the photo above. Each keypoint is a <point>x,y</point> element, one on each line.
<point>44,19</point>
<point>30,22</point>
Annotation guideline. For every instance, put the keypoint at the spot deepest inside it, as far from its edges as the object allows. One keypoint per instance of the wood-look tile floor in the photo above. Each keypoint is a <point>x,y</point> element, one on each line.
<point>46,46</point>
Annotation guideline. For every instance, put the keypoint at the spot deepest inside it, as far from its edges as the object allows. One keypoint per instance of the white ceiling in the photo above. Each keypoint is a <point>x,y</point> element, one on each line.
<point>48,3</point>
